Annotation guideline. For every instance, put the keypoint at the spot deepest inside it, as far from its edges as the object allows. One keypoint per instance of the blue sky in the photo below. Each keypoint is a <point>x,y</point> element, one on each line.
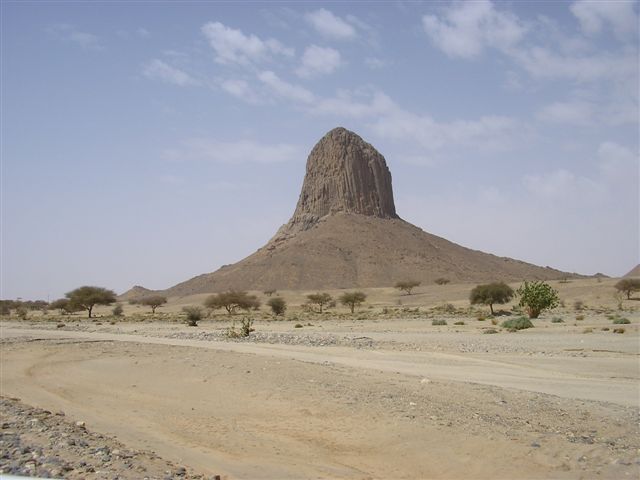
<point>145,143</point>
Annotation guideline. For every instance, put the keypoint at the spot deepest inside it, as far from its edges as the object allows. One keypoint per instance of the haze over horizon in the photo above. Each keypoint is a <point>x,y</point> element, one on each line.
<point>148,143</point>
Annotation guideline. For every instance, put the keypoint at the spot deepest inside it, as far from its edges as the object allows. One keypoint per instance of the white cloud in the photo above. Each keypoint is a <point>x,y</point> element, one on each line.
<point>318,61</point>
<point>467,28</point>
<point>329,25</point>
<point>359,104</point>
<point>233,46</point>
<point>143,32</point>
<point>564,185</point>
<point>242,90</point>
<point>573,112</point>
<point>159,70</point>
<point>285,89</point>
<point>375,63</point>
<point>594,16</point>
<point>86,41</point>
<point>242,151</point>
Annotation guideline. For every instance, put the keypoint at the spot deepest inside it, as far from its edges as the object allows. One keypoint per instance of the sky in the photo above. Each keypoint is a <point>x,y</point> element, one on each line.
<point>144,143</point>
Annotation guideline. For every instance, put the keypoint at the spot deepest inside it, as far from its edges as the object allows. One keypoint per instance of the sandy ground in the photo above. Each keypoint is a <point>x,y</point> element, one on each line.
<point>410,401</point>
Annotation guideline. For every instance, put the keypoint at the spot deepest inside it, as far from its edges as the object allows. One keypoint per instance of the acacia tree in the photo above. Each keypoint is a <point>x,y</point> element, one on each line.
<point>407,285</point>
<point>319,299</point>
<point>232,300</point>
<point>628,286</point>
<point>153,301</point>
<point>490,293</point>
<point>536,297</point>
<point>65,306</point>
<point>87,297</point>
<point>352,299</point>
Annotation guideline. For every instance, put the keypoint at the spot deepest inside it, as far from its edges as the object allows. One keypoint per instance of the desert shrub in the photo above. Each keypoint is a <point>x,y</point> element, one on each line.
<point>268,293</point>
<point>579,317</point>
<point>153,301</point>
<point>494,321</point>
<point>232,300</point>
<point>489,331</point>
<point>578,305</point>
<point>277,305</point>
<point>628,286</point>
<point>60,325</point>
<point>438,322</point>
<point>621,321</point>
<point>536,297</point>
<point>605,329</point>
<point>442,281</point>
<point>117,310</point>
<point>490,294</point>
<point>320,299</point>
<point>352,299</point>
<point>246,327</point>
<point>564,280</point>
<point>618,330</point>
<point>459,323</point>
<point>22,312</point>
<point>587,330</point>
<point>297,325</point>
<point>517,324</point>
<point>407,285</point>
<point>557,320</point>
<point>194,315</point>
<point>481,317</point>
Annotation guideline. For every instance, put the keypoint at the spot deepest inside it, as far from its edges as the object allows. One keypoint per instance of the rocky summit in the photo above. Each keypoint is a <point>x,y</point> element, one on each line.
<point>344,174</point>
<point>345,233</point>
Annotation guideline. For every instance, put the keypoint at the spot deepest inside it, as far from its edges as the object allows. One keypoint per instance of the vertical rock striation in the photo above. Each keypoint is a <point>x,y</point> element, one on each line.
<point>344,174</point>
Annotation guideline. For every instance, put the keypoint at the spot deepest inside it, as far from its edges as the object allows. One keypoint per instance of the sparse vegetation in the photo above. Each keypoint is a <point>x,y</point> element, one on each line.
<point>628,286</point>
<point>442,281</point>
<point>153,301</point>
<point>278,305</point>
<point>621,321</point>
<point>246,327</point>
<point>579,317</point>
<point>537,297</point>
<point>22,312</point>
<point>298,325</point>
<point>619,330</point>
<point>117,310</point>
<point>64,306</point>
<point>232,300</point>
<point>194,315</point>
<point>578,305</point>
<point>557,320</point>
<point>407,286</point>
<point>268,293</point>
<point>490,294</point>
<point>353,299</point>
<point>514,324</point>
<point>489,331</point>
<point>439,322</point>
<point>87,297</point>
<point>320,299</point>
<point>459,323</point>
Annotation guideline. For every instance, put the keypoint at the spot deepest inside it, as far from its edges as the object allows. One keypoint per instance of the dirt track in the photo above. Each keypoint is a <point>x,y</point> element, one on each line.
<point>282,411</point>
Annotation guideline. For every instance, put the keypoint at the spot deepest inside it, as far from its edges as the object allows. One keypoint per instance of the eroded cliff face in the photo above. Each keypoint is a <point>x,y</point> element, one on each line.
<point>344,174</point>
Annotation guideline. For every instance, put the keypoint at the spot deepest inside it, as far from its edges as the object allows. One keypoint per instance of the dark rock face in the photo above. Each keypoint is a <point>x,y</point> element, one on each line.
<point>344,174</point>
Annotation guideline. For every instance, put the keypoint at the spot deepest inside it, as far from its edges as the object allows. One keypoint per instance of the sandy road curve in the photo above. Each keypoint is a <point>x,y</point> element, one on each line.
<point>565,376</point>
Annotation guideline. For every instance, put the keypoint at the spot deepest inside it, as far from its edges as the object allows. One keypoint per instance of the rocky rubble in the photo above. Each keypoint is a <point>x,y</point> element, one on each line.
<point>43,444</point>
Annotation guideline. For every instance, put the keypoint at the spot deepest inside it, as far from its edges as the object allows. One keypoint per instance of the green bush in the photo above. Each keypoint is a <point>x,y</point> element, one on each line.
<point>438,322</point>
<point>621,321</point>
<point>517,324</point>
<point>536,297</point>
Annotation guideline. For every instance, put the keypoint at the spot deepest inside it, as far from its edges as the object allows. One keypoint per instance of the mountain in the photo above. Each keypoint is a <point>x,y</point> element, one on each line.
<point>634,272</point>
<point>345,233</point>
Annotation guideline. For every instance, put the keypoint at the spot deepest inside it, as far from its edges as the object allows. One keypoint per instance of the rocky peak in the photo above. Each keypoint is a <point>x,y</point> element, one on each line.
<point>344,174</point>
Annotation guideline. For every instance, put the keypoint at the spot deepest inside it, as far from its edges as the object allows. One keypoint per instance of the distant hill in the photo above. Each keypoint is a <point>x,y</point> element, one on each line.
<point>634,272</point>
<point>136,293</point>
<point>345,233</point>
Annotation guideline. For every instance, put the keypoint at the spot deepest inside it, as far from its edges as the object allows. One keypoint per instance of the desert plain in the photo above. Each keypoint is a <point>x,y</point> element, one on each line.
<point>380,393</point>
